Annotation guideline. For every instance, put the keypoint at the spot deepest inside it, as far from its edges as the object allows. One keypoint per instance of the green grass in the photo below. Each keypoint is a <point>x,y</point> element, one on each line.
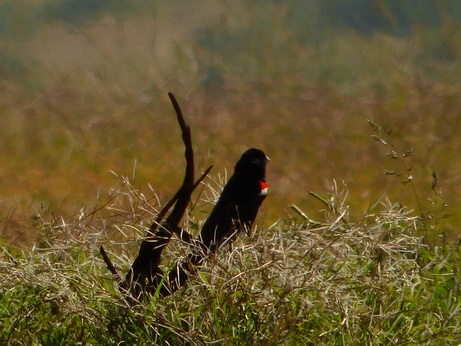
<point>371,280</point>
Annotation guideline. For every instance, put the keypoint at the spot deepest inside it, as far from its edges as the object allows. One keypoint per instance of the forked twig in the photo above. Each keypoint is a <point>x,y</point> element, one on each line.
<point>145,274</point>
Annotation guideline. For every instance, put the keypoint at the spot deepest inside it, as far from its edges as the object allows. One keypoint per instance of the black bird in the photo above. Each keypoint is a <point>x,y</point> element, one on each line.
<point>235,212</point>
<point>239,202</point>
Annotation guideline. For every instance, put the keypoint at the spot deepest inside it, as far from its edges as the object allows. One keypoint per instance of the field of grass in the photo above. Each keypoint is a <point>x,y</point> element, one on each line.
<point>80,101</point>
<point>371,280</point>
<point>365,118</point>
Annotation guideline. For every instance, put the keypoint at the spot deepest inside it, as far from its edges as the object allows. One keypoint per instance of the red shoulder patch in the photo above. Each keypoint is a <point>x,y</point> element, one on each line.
<point>264,187</point>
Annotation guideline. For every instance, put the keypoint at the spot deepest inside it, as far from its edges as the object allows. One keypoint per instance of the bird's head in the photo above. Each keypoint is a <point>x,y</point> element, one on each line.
<point>252,164</point>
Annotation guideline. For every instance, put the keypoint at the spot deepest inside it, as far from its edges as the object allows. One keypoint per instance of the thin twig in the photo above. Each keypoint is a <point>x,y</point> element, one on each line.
<point>109,264</point>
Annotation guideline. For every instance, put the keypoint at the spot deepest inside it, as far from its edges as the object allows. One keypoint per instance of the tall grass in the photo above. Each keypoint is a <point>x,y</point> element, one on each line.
<point>370,280</point>
<point>91,98</point>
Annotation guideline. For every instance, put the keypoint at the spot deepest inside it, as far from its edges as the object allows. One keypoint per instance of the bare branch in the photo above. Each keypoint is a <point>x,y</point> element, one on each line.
<point>145,272</point>
<point>109,264</point>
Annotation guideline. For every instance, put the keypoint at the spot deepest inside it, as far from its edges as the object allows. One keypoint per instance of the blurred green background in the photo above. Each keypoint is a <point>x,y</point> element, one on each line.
<point>84,92</point>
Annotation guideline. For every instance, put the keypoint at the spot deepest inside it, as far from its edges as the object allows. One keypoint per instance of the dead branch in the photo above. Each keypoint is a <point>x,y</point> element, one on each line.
<point>145,274</point>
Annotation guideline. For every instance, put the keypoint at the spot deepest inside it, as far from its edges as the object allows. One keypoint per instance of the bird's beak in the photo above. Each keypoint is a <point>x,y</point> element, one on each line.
<point>267,158</point>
